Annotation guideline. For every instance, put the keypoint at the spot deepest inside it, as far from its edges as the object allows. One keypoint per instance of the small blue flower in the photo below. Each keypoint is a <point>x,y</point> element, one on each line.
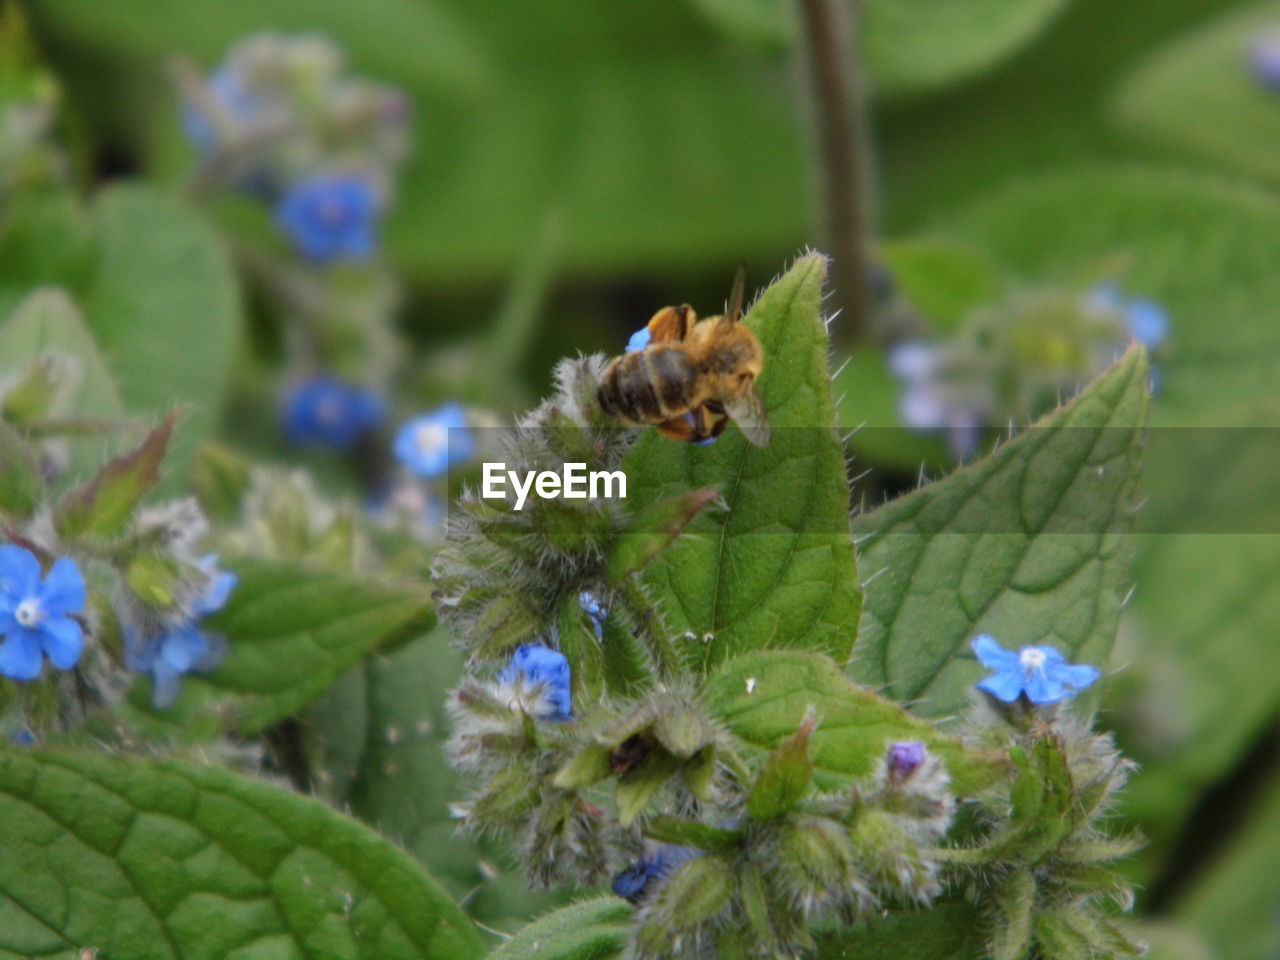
<point>932,400</point>
<point>331,218</point>
<point>428,444</point>
<point>538,680</point>
<point>591,607</point>
<point>34,619</point>
<point>183,648</point>
<point>326,410</point>
<point>1146,321</point>
<point>634,883</point>
<point>1041,674</point>
<point>1264,57</point>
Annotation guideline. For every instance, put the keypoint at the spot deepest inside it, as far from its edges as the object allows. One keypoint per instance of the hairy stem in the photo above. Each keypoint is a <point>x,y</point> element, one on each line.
<point>839,121</point>
<point>649,628</point>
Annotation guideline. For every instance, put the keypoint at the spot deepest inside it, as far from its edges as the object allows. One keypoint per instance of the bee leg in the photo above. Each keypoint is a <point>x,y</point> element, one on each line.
<point>671,323</point>
<point>713,408</point>
<point>678,428</point>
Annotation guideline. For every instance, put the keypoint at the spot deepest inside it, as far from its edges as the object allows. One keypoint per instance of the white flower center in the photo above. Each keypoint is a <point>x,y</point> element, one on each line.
<point>331,211</point>
<point>431,437</point>
<point>1031,659</point>
<point>329,411</point>
<point>29,613</point>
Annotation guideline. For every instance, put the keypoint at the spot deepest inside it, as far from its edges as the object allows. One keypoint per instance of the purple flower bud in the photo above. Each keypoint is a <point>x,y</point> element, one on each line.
<point>905,758</point>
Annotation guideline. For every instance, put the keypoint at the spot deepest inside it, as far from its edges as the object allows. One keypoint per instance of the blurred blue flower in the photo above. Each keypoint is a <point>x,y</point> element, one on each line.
<point>1264,58</point>
<point>428,444</point>
<point>228,96</point>
<point>1041,674</point>
<point>591,607</point>
<point>326,410</point>
<point>538,678</point>
<point>1147,321</point>
<point>34,619</point>
<point>184,647</point>
<point>331,217</point>
<point>634,883</point>
<point>935,399</point>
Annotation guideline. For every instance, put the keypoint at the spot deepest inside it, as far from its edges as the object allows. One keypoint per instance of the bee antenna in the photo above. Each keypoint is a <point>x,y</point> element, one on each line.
<point>733,313</point>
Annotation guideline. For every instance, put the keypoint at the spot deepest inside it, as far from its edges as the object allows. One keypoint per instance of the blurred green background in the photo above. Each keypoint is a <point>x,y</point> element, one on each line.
<point>622,155</point>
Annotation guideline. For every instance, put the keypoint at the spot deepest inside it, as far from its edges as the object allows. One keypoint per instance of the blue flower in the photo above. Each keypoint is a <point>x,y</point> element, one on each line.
<point>1146,321</point>
<point>935,397</point>
<point>428,444</point>
<point>184,647</point>
<point>331,217</point>
<point>634,883</point>
<point>1041,674</point>
<point>537,679</point>
<point>591,607</point>
<point>326,410</point>
<point>1264,57</point>
<point>34,619</point>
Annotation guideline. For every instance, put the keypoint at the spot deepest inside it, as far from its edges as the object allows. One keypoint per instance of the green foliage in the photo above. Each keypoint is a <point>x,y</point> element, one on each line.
<point>947,931</point>
<point>157,293</point>
<point>785,776</point>
<point>48,323</point>
<point>586,930</point>
<point>20,484</point>
<point>762,697</point>
<point>103,508</point>
<point>773,570</point>
<point>293,632</point>
<point>1200,93</point>
<point>1026,545</point>
<point>166,859</point>
<point>164,304</point>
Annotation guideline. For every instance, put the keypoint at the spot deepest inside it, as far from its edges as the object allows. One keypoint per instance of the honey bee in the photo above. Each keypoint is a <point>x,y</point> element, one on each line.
<point>693,376</point>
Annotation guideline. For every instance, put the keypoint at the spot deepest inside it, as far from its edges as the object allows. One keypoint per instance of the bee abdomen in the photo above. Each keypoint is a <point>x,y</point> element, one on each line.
<point>648,386</point>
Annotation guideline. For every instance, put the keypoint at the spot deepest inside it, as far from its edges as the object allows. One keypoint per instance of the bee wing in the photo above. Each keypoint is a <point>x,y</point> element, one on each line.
<point>737,295</point>
<point>746,408</point>
<point>671,323</point>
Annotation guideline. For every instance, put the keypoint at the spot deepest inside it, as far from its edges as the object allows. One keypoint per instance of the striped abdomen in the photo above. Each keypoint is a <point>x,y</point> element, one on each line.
<point>650,385</point>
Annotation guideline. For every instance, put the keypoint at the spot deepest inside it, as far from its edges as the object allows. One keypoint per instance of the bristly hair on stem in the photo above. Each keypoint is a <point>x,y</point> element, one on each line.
<point>840,129</point>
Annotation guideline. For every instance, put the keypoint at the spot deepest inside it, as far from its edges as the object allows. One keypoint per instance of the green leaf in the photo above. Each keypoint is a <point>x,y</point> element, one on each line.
<point>777,568</point>
<point>1026,545</point>
<point>20,483</point>
<point>922,44</point>
<point>785,776</point>
<point>946,931</point>
<point>156,860</point>
<point>762,698</point>
<point>377,741</point>
<point>941,278</point>
<point>690,833</point>
<point>164,303</point>
<point>293,632</point>
<point>400,40</point>
<point>909,45</point>
<point>587,930</point>
<point>652,530</point>
<point>1199,93</point>
<point>48,322</point>
<point>1206,250</point>
<point>103,508</point>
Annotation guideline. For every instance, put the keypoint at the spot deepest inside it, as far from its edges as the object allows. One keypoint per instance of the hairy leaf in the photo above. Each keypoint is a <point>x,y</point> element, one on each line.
<point>48,322</point>
<point>163,301</point>
<point>161,860</point>
<point>20,483</point>
<point>1200,93</point>
<point>946,931</point>
<point>762,697</point>
<point>777,568</point>
<point>1026,545</point>
<point>587,930</point>
<point>293,632</point>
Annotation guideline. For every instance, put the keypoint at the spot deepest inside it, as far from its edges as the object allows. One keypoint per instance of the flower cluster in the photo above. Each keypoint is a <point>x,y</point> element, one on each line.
<point>1264,59</point>
<point>280,119</point>
<point>1010,361</point>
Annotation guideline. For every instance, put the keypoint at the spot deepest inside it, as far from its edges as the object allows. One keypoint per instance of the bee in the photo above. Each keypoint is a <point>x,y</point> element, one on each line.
<point>693,377</point>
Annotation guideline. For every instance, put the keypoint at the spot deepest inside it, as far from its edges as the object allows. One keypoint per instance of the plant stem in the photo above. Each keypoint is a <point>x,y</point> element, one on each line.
<point>839,120</point>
